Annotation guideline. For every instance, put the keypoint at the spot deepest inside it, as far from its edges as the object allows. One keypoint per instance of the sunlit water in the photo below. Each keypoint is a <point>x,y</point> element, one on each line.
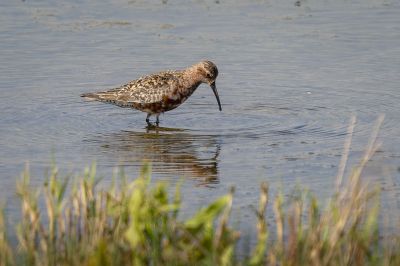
<point>290,79</point>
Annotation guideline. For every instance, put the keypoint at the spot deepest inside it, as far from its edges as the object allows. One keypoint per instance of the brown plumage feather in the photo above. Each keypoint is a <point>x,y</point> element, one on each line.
<point>145,90</point>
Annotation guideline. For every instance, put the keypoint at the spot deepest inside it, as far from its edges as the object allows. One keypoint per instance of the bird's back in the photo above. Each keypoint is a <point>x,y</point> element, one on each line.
<point>145,90</point>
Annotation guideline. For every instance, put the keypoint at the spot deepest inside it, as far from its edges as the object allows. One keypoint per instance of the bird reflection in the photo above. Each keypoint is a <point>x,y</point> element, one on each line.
<point>170,150</point>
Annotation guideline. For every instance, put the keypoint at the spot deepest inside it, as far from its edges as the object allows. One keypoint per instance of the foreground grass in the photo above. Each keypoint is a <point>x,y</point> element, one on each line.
<point>136,223</point>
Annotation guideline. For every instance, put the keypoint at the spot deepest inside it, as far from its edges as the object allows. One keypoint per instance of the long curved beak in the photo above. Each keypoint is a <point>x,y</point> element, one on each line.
<point>214,88</point>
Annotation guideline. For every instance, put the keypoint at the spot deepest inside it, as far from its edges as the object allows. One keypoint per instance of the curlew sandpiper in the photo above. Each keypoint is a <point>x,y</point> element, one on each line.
<point>160,92</point>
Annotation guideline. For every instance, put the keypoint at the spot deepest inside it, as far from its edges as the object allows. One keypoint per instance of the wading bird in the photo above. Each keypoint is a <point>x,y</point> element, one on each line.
<point>160,92</point>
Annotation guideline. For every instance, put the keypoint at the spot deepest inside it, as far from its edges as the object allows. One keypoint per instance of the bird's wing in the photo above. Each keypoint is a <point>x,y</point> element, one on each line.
<point>148,89</point>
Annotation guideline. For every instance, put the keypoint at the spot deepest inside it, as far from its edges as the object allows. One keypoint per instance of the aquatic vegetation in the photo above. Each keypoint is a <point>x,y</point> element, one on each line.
<point>136,223</point>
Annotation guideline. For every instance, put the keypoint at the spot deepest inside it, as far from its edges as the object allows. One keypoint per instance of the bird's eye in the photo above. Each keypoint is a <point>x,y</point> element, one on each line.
<point>209,75</point>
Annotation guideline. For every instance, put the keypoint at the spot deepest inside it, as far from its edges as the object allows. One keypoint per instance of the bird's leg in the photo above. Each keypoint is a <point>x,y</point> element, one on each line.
<point>157,119</point>
<point>148,119</point>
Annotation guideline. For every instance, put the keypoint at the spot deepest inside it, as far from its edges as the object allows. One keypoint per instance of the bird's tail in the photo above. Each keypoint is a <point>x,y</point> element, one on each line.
<point>105,96</point>
<point>91,96</point>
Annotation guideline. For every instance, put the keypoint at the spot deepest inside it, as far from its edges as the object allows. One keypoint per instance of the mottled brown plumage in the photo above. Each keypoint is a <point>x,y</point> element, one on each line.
<point>160,92</point>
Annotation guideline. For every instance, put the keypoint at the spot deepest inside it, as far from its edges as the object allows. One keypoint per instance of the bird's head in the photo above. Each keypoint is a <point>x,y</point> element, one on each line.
<point>208,73</point>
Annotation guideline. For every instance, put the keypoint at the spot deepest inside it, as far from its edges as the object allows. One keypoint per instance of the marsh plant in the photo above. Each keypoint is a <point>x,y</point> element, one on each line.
<point>137,223</point>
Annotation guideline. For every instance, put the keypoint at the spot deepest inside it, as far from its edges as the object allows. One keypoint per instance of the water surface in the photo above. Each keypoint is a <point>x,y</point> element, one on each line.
<point>290,79</point>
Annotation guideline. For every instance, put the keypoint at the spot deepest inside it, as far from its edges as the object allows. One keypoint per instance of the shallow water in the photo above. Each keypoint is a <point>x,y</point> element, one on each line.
<point>290,79</point>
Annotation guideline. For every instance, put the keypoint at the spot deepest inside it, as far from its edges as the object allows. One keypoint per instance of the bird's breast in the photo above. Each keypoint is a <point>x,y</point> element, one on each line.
<point>172,101</point>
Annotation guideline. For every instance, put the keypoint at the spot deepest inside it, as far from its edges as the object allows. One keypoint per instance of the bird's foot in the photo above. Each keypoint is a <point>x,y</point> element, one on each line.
<point>152,126</point>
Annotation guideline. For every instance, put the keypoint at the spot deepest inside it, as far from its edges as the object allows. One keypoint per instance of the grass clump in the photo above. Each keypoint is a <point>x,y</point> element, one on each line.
<point>130,224</point>
<point>136,223</point>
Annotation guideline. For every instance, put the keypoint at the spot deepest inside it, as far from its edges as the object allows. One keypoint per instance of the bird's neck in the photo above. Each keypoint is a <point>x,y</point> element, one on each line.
<point>191,78</point>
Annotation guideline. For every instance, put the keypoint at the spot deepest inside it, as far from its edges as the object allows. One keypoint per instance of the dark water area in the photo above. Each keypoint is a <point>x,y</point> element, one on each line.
<point>290,79</point>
